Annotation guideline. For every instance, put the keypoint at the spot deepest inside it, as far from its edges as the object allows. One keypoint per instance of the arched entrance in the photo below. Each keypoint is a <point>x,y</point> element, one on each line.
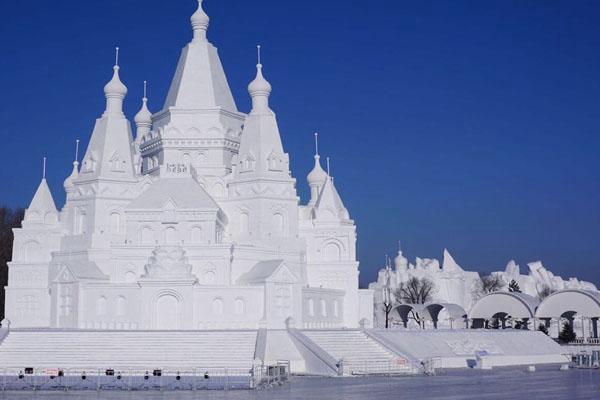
<point>167,312</point>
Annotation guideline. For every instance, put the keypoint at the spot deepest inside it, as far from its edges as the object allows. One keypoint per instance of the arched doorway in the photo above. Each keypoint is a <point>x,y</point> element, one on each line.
<point>167,312</point>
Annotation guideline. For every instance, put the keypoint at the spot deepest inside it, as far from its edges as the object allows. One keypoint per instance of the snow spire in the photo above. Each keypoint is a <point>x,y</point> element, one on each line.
<point>115,91</point>
<point>317,177</point>
<point>259,89</point>
<point>42,208</point>
<point>68,184</point>
<point>44,169</point>
<point>200,21</point>
<point>143,119</point>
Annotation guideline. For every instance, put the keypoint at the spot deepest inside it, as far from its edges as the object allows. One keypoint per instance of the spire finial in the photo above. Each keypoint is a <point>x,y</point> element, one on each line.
<point>258,53</point>
<point>117,56</point>
<point>146,90</point>
<point>328,168</point>
<point>316,144</point>
<point>77,150</point>
<point>44,169</point>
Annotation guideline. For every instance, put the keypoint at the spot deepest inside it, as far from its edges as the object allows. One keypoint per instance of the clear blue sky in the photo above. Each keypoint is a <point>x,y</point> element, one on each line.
<point>472,125</point>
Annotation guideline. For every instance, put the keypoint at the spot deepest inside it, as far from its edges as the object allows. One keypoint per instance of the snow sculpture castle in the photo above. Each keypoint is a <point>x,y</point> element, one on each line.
<point>194,224</point>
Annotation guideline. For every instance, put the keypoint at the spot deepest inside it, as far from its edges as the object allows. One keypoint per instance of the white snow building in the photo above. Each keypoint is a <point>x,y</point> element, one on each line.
<point>455,286</point>
<point>193,224</point>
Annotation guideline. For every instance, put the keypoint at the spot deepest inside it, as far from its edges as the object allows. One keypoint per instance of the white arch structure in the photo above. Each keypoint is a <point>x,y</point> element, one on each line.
<point>571,305</point>
<point>501,305</point>
<point>431,311</point>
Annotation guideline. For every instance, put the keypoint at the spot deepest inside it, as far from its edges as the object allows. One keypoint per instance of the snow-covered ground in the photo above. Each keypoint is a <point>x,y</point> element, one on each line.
<point>548,383</point>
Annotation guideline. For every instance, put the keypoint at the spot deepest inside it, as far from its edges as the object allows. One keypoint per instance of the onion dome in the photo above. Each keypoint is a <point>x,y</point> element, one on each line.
<point>68,184</point>
<point>144,116</point>
<point>317,176</point>
<point>259,86</point>
<point>115,88</point>
<point>115,91</point>
<point>200,21</point>
<point>259,89</point>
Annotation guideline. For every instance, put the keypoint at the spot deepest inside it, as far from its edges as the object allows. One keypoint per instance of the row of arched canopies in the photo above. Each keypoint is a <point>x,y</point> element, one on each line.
<point>509,309</point>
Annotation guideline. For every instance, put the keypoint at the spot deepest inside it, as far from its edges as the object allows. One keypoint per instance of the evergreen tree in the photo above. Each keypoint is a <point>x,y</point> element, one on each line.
<point>513,287</point>
<point>567,334</point>
<point>542,328</point>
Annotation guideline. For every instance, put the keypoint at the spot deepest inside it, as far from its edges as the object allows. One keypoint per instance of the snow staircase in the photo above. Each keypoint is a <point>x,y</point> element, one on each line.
<point>123,350</point>
<point>359,353</point>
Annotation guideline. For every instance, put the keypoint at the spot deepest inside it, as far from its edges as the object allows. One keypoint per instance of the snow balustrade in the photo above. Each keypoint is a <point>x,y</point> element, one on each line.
<point>455,315</point>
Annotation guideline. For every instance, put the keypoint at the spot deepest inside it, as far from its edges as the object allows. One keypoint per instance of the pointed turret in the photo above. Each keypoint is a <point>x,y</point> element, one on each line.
<point>317,177</point>
<point>329,205</point>
<point>42,209</point>
<point>143,119</point>
<point>200,81</point>
<point>261,151</point>
<point>109,153</point>
<point>69,184</point>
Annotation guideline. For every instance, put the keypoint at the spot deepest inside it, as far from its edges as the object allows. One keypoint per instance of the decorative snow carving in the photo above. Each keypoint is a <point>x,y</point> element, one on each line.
<point>168,262</point>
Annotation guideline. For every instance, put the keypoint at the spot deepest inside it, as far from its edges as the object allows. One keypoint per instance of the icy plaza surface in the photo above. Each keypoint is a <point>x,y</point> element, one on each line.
<point>548,383</point>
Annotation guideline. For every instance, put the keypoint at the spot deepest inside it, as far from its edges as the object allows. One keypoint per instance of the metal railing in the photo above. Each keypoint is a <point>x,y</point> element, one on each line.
<point>135,378</point>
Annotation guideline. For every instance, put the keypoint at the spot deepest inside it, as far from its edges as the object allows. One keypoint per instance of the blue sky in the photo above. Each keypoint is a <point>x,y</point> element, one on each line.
<point>471,125</point>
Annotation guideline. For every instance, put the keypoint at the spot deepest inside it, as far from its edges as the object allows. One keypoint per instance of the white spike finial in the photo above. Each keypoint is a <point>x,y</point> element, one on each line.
<point>328,168</point>
<point>44,169</point>
<point>316,143</point>
<point>117,56</point>
<point>145,90</point>
<point>77,150</point>
<point>258,53</point>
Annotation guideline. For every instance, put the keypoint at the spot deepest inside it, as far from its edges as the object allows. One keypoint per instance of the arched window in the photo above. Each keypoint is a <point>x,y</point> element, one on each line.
<point>244,223</point>
<point>171,235</point>
<point>323,307</point>
<point>311,307</point>
<point>31,251</point>
<point>332,252</point>
<point>147,235</point>
<point>130,277</point>
<point>101,306</point>
<point>121,306</point>
<point>217,307</point>
<point>196,234</point>
<point>115,223</point>
<point>80,225</point>
<point>239,307</point>
<point>278,224</point>
<point>209,277</point>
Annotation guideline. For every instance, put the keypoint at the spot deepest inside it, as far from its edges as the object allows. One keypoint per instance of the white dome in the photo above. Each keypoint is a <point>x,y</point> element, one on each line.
<point>317,176</point>
<point>259,86</point>
<point>144,116</point>
<point>200,20</point>
<point>115,88</point>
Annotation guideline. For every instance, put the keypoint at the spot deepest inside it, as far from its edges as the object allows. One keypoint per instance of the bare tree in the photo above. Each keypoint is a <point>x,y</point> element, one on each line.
<point>388,300</point>
<point>415,291</point>
<point>9,219</point>
<point>490,284</point>
<point>544,292</point>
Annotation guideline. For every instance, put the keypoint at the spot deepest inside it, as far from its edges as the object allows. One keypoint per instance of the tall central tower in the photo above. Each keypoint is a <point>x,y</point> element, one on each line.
<point>199,126</point>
